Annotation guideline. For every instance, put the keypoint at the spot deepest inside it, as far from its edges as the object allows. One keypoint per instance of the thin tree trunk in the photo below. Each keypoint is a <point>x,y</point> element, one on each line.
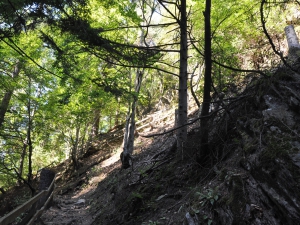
<point>182,103</point>
<point>192,86</point>
<point>30,150</point>
<point>31,113</point>
<point>75,148</point>
<point>128,142</point>
<point>117,117</point>
<point>207,84</point>
<point>21,166</point>
<point>96,123</point>
<point>83,145</point>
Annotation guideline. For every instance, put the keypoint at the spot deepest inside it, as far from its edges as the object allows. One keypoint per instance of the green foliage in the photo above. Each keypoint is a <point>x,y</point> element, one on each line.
<point>150,222</point>
<point>207,219</point>
<point>237,197</point>
<point>278,146</point>
<point>76,61</point>
<point>134,197</point>
<point>237,38</point>
<point>208,196</point>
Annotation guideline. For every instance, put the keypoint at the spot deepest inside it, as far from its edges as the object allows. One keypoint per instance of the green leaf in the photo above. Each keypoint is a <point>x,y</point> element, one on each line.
<point>196,210</point>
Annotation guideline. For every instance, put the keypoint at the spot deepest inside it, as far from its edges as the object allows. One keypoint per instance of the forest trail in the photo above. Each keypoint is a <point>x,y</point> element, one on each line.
<point>73,200</point>
<point>73,208</point>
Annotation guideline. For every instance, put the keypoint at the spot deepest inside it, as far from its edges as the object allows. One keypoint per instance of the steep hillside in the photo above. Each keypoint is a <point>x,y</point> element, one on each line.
<point>251,177</point>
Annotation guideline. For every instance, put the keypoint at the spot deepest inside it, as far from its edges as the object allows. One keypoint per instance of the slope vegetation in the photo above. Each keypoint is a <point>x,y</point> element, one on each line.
<point>252,175</point>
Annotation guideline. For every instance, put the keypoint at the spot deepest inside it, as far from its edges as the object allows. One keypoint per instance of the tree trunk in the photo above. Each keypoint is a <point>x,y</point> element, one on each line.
<point>8,94</point>
<point>30,149</point>
<point>128,142</point>
<point>182,103</point>
<point>31,113</point>
<point>75,142</point>
<point>117,117</point>
<point>27,142</point>
<point>207,85</point>
<point>96,123</point>
<point>21,166</point>
<point>83,144</point>
<point>293,42</point>
<point>192,86</point>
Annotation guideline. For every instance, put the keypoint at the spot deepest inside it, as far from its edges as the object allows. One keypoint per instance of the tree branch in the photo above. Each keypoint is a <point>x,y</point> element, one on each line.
<point>229,67</point>
<point>140,26</point>
<point>263,23</point>
<point>161,2</point>
<point>22,53</point>
<point>195,120</point>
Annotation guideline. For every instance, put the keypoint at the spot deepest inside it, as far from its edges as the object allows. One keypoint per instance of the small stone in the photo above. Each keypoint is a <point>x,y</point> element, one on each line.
<point>296,159</point>
<point>294,103</point>
<point>275,129</point>
<point>80,202</point>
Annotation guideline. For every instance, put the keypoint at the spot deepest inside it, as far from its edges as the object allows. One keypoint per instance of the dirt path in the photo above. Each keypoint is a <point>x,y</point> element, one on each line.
<point>75,204</point>
<point>74,207</point>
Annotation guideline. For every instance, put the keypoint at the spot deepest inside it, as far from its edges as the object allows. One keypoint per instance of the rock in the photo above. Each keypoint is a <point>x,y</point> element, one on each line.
<point>245,164</point>
<point>296,159</point>
<point>294,103</point>
<point>277,110</point>
<point>275,129</point>
<point>190,220</point>
<point>296,144</point>
<point>80,202</point>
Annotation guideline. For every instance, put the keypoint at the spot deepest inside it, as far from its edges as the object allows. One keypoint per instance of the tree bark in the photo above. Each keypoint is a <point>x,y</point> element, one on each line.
<point>30,150</point>
<point>8,94</point>
<point>292,40</point>
<point>74,150</point>
<point>207,84</point>
<point>192,86</point>
<point>117,115</point>
<point>96,123</point>
<point>21,166</point>
<point>128,142</point>
<point>182,103</point>
<point>29,142</point>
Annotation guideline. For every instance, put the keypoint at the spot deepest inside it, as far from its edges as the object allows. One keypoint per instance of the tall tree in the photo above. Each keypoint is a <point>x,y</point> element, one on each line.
<point>207,82</point>
<point>183,77</point>
<point>128,143</point>
<point>182,110</point>
<point>130,129</point>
